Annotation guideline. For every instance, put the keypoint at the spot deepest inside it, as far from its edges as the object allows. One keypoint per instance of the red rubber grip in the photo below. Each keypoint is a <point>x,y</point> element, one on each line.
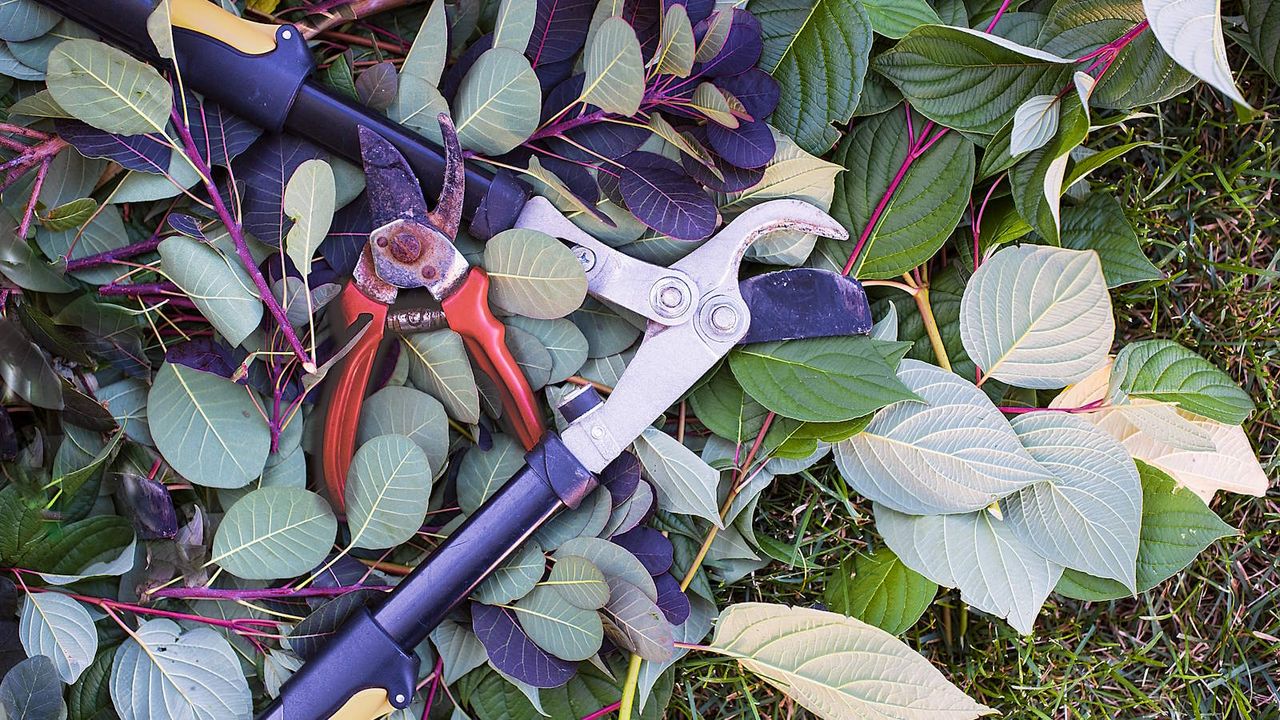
<point>468,313</point>
<point>345,391</point>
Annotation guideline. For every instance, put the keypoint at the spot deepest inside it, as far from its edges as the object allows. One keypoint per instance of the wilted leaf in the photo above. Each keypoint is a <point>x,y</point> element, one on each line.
<point>274,532</point>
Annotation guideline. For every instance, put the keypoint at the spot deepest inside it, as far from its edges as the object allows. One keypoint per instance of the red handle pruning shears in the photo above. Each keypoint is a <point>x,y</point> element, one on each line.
<point>411,248</point>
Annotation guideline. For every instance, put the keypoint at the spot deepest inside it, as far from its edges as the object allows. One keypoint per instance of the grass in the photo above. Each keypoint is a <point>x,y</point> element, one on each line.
<point>1205,644</point>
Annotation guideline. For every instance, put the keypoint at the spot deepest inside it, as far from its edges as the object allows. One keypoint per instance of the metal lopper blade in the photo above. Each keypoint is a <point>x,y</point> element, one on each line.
<point>804,303</point>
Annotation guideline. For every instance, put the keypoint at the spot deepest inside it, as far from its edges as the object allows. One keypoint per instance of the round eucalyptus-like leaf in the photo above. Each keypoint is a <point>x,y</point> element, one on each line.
<point>562,629</point>
<point>482,472</point>
<point>635,622</point>
<point>1037,317</point>
<point>578,582</point>
<point>534,274</point>
<point>61,629</point>
<point>207,427</point>
<point>498,103</point>
<point>22,20</point>
<point>438,365</point>
<point>219,286</point>
<point>163,672</point>
<point>399,410</point>
<point>612,560</point>
<point>274,532</point>
<point>563,341</point>
<point>614,78</point>
<point>514,578</point>
<point>109,89</point>
<point>388,488</point>
<point>533,359</point>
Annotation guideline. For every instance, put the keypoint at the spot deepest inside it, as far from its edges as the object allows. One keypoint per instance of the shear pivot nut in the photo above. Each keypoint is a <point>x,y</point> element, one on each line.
<point>670,297</point>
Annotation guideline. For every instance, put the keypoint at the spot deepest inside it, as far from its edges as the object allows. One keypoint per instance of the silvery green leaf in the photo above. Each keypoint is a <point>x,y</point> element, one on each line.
<point>398,410</point>
<point>144,187</point>
<point>126,400</point>
<point>482,472</point>
<point>614,68</point>
<point>978,553</point>
<point>160,29</point>
<point>1164,371</point>
<point>837,666</point>
<point>498,103</point>
<point>684,483</point>
<point>886,328</point>
<point>274,532</point>
<point>218,285</point>
<point>10,66</point>
<point>578,582</point>
<point>631,513</point>
<point>162,672</point>
<point>607,332</point>
<point>459,648</point>
<point>676,47</point>
<point>417,106</point>
<point>430,48</point>
<point>438,365</point>
<point>207,427</point>
<point>1089,516</point>
<point>1160,420</point>
<point>104,231</point>
<point>952,453</point>
<point>562,339</point>
<point>613,561</point>
<point>309,201</point>
<point>634,622</point>
<point>1191,32</point>
<point>533,274</point>
<point>60,628</point>
<point>388,488</point>
<point>568,632</point>
<point>109,89</point>
<point>31,691</point>
<point>1034,123</point>
<point>514,578</point>
<point>25,19</point>
<point>513,24</point>
<point>711,101</point>
<point>792,173</point>
<point>533,359</point>
<point>1037,317</point>
<point>588,519</point>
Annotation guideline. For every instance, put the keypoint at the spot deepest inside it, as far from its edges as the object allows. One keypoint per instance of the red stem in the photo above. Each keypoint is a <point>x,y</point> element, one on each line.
<point>1090,407</point>
<point>606,710</point>
<point>111,256</point>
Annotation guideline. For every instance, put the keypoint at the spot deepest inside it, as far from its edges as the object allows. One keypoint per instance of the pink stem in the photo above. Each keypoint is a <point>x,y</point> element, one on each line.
<point>1090,407</point>
<point>284,593</point>
<point>111,256</point>
<point>996,18</point>
<point>435,686</point>
<point>606,710</point>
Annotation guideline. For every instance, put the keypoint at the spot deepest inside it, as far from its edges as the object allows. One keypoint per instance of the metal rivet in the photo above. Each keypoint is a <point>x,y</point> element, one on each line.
<point>399,698</point>
<point>429,272</point>
<point>586,258</point>
<point>670,297</point>
<point>724,318</point>
<point>382,241</point>
<point>597,432</point>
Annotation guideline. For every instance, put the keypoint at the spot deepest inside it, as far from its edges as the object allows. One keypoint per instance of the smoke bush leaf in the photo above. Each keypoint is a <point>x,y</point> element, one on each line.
<point>138,152</point>
<point>388,488</point>
<point>497,103</point>
<point>459,649</point>
<point>274,532</point>
<point>513,653</point>
<point>578,582</point>
<point>612,561</point>
<point>438,365</point>
<point>26,371</point>
<point>397,410</point>
<point>61,629</point>
<point>564,630</point>
<point>219,286</point>
<point>1165,371</point>
<point>31,691</point>
<point>513,25</point>
<point>676,47</point>
<point>514,579</point>
<point>25,19</point>
<point>108,89</point>
<point>880,590</point>
<point>482,472</point>
<point>162,671</point>
<point>309,201</point>
<point>634,621</point>
<point>662,196</point>
<point>614,69</point>
<point>533,274</point>
<point>1037,317</point>
<point>836,666</point>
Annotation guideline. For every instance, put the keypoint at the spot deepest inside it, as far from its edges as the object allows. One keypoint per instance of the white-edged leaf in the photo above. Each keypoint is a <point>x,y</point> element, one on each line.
<point>388,488</point>
<point>952,453</point>
<point>162,672</point>
<point>1037,317</point>
<point>614,68</point>
<point>438,365</point>
<point>564,630</point>
<point>1034,123</point>
<point>219,286</point>
<point>1191,32</point>
<point>1089,517</point>
<point>977,552</point>
<point>274,532</point>
<point>838,667</point>
<point>498,103</point>
<point>685,484</point>
<point>109,89</point>
<point>533,274</point>
<point>60,628</point>
<point>207,427</point>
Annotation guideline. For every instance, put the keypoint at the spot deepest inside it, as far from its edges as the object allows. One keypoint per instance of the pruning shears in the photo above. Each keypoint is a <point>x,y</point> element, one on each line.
<point>412,247</point>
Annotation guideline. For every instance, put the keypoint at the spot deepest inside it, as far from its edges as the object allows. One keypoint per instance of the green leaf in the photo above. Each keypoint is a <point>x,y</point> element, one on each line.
<point>396,410</point>
<point>1262,18</point>
<point>954,452</point>
<point>818,380</point>
<point>836,666</point>
<point>614,79</point>
<point>108,89</point>
<point>792,173</point>
<point>726,409</point>
<point>589,519</point>
<point>514,24</point>
<point>309,201</point>
<point>968,80</point>
<point>578,582</point>
<point>21,521</point>
<point>498,103</point>
<point>684,483</point>
<point>711,101</point>
<point>26,371</point>
<point>38,105</point>
<point>207,427</point>
<point>31,691</point>
<point>1088,516</point>
<point>879,590</point>
<point>1037,317</point>
<point>482,472</point>
<point>25,20</point>
<point>90,697</point>
<point>568,632</point>
<point>818,52</point>
<point>126,400</point>
<point>929,201</point>
<point>634,622</point>
<point>612,561</point>
<point>430,48</point>
<point>676,46</point>
<point>563,341</point>
<point>388,488</point>
<point>533,274</point>
<point>1191,32</point>
<point>274,532</point>
<point>1037,179</point>
<point>61,629</point>
<point>514,578</point>
<point>438,365</point>
<point>163,672</point>
<point>1100,224</point>
<point>102,545</point>
<point>105,231</point>
<point>1164,371</point>
<point>160,30</point>
<point>71,215</point>
<point>896,18</point>
<point>219,286</point>
<point>1176,527</point>
<point>459,649</point>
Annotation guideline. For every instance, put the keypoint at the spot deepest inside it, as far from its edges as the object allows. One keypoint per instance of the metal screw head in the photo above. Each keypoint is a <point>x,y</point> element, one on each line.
<point>585,257</point>
<point>405,247</point>
<point>724,318</point>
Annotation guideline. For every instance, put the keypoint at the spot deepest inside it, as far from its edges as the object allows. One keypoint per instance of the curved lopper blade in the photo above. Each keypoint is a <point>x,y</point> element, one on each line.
<point>804,303</point>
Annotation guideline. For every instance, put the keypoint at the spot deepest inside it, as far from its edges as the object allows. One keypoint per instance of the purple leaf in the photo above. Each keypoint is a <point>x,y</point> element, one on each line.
<point>650,547</point>
<point>576,178</point>
<point>621,477</point>
<point>265,172</point>
<point>138,152</point>
<point>755,89</point>
<point>511,651</point>
<point>205,355</point>
<point>560,96</point>
<point>750,145</point>
<point>309,636</point>
<point>452,78</point>
<point>671,599</point>
<point>150,507</point>
<point>610,140</point>
<point>698,10</point>
<point>645,17</point>
<point>377,86</point>
<point>186,225</point>
<point>663,197</point>
<point>219,135</point>
<point>742,46</point>
<point>552,75</point>
<point>346,572</point>
<point>347,235</point>
<point>559,30</point>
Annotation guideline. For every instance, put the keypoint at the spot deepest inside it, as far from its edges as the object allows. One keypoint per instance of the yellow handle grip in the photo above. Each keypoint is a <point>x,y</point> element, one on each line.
<point>365,705</point>
<point>206,18</point>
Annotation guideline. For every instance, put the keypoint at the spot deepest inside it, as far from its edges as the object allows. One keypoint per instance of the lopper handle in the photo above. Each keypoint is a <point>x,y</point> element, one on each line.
<point>468,313</point>
<point>345,391</point>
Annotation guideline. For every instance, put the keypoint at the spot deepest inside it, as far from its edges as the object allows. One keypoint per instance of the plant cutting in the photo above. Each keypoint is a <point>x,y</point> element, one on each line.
<point>251,466</point>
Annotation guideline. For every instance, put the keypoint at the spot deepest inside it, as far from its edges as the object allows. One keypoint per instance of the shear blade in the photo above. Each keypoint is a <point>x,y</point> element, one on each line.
<point>804,303</point>
<point>393,189</point>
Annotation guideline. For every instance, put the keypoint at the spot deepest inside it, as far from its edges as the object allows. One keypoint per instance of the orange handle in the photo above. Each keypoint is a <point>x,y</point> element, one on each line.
<point>344,393</point>
<point>468,313</point>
